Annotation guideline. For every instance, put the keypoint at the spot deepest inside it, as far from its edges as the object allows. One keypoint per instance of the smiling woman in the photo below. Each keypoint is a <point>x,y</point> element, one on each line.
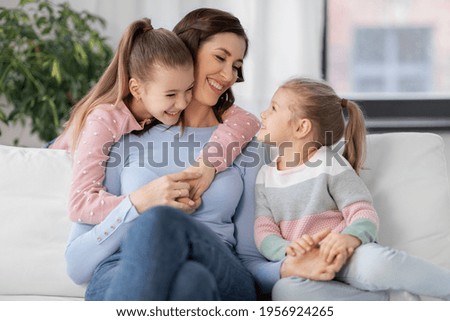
<point>160,253</point>
<point>218,63</point>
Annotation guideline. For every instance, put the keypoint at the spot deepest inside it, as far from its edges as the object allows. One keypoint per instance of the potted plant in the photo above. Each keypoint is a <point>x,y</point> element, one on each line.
<point>50,56</point>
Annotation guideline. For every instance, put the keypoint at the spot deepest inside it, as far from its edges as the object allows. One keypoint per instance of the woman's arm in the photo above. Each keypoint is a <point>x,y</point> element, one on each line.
<point>88,245</point>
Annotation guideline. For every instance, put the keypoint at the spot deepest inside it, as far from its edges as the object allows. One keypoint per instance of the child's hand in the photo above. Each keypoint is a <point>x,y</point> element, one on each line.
<point>334,244</point>
<point>306,243</point>
<point>201,184</point>
<point>190,208</point>
<point>166,190</point>
<point>301,245</point>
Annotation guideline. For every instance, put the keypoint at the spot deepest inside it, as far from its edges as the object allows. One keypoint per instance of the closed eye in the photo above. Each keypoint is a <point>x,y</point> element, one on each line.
<point>220,58</point>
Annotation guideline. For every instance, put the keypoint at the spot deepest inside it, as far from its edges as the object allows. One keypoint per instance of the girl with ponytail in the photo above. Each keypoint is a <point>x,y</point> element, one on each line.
<point>149,81</point>
<point>311,189</point>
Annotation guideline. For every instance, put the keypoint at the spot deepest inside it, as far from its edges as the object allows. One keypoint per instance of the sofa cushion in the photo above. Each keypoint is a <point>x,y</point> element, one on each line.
<point>407,176</point>
<point>33,209</point>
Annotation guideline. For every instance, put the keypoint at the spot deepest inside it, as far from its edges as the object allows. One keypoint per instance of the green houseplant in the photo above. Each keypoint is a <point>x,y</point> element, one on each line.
<point>50,56</point>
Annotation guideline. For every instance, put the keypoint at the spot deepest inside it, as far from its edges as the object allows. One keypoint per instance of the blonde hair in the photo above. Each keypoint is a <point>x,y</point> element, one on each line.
<point>318,102</point>
<point>140,49</point>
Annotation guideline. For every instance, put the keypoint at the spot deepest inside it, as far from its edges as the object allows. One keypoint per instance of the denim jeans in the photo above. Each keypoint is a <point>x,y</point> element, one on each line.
<point>168,255</point>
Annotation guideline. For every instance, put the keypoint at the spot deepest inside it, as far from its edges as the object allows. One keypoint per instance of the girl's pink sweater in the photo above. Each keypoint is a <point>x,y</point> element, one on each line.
<point>89,202</point>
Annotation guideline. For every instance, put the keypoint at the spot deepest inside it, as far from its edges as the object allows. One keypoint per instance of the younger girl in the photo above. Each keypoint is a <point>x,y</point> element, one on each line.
<point>149,81</point>
<point>310,187</point>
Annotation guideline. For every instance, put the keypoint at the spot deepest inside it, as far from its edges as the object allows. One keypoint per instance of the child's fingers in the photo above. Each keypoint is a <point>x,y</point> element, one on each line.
<point>181,185</point>
<point>184,175</point>
<point>337,249</point>
<point>290,251</point>
<point>325,249</point>
<point>296,247</point>
<point>308,239</point>
<point>331,255</point>
<point>185,204</point>
<point>339,261</point>
<point>197,202</point>
<point>182,193</point>
<point>319,236</point>
<point>304,244</point>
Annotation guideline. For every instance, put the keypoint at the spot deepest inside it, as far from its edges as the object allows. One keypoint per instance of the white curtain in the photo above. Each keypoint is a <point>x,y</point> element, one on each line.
<point>285,36</point>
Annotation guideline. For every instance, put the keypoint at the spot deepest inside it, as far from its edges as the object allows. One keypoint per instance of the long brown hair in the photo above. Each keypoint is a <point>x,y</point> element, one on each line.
<point>200,24</point>
<point>318,102</point>
<point>140,49</point>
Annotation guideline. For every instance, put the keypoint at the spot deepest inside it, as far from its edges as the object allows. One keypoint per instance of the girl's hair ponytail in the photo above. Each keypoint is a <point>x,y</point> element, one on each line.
<point>355,135</point>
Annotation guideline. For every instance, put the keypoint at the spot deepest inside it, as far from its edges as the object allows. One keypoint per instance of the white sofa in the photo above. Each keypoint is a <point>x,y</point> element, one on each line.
<point>406,173</point>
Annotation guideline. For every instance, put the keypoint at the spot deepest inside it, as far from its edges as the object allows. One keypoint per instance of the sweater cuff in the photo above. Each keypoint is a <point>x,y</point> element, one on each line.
<point>363,229</point>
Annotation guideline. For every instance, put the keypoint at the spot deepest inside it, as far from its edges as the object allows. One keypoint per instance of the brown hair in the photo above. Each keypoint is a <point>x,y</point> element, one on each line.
<point>200,24</point>
<point>140,49</point>
<point>318,102</point>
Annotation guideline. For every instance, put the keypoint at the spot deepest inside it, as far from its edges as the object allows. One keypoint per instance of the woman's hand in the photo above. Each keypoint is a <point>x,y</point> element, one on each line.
<point>166,190</point>
<point>202,183</point>
<point>193,206</point>
<point>334,244</point>
<point>311,266</point>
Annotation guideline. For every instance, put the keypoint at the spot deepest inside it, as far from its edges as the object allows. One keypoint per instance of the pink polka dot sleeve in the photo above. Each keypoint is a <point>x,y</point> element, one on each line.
<point>89,202</point>
<point>230,137</point>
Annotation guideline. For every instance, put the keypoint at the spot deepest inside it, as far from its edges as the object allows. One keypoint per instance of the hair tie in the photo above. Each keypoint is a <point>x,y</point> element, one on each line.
<point>145,29</point>
<point>344,103</point>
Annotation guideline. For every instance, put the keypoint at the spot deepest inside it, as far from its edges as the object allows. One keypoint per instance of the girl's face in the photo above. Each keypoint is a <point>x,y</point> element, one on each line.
<point>275,120</point>
<point>164,97</point>
<point>217,63</point>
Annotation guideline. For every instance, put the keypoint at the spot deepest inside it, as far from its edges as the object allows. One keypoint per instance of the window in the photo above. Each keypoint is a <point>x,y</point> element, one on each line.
<point>392,56</point>
<point>400,62</point>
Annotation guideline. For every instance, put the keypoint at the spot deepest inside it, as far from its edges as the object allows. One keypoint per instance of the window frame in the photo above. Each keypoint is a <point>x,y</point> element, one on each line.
<point>395,114</point>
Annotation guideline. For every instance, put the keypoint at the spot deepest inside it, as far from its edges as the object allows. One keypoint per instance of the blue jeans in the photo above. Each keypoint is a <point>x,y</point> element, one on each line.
<point>168,255</point>
<point>370,272</point>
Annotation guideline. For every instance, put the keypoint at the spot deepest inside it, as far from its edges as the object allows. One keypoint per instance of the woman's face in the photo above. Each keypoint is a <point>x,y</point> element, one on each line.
<point>217,64</point>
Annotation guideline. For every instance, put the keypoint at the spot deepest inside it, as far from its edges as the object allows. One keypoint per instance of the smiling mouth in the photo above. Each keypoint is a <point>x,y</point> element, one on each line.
<point>172,113</point>
<point>215,84</point>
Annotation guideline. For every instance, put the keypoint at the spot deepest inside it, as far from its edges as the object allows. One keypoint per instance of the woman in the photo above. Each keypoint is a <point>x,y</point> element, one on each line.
<point>219,57</point>
<point>162,253</point>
